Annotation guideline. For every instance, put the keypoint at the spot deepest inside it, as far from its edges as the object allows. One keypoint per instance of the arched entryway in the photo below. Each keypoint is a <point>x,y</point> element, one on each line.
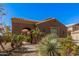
<point>26,31</point>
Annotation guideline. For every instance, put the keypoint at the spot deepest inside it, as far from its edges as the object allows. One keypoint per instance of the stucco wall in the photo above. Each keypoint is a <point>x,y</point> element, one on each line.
<point>75,36</point>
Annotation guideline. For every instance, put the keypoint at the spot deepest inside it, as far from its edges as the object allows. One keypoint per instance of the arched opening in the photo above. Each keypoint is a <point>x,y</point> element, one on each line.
<point>26,31</point>
<point>27,28</point>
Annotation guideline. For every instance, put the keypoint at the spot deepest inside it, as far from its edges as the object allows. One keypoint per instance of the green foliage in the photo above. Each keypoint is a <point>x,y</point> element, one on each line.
<point>7,35</point>
<point>35,32</point>
<point>67,46</point>
<point>52,46</point>
<point>18,39</point>
<point>28,38</point>
<point>48,46</point>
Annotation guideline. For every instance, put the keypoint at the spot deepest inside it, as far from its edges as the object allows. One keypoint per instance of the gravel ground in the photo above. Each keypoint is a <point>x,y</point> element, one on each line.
<point>7,46</point>
<point>25,50</point>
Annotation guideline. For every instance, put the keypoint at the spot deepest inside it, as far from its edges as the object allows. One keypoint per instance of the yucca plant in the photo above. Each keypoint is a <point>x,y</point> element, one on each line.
<point>49,46</point>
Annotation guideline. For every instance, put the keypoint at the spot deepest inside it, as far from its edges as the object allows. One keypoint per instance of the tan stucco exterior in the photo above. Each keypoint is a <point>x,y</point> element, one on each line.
<point>75,36</point>
<point>74,32</point>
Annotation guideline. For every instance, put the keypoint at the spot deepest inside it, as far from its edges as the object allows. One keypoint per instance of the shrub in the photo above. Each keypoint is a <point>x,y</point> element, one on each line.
<point>48,46</point>
<point>17,40</point>
<point>51,45</point>
<point>67,46</point>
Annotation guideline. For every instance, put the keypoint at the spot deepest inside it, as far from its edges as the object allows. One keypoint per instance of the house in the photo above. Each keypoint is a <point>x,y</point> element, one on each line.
<point>50,25</point>
<point>73,30</point>
<point>47,26</point>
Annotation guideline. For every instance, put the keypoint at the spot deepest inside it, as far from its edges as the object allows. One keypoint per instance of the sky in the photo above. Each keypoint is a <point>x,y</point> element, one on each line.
<point>63,12</point>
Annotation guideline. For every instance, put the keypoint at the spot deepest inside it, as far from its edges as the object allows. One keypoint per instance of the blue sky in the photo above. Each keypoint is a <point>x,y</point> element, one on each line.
<point>65,13</point>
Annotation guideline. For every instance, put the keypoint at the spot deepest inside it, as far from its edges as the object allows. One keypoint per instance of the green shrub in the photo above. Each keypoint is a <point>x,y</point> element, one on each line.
<point>48,46</point>
<point>51,45</point>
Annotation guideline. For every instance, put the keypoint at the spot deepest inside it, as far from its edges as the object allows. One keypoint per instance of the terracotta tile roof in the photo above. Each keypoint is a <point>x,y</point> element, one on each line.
<point>47,20</point>
<point>20,20</point>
